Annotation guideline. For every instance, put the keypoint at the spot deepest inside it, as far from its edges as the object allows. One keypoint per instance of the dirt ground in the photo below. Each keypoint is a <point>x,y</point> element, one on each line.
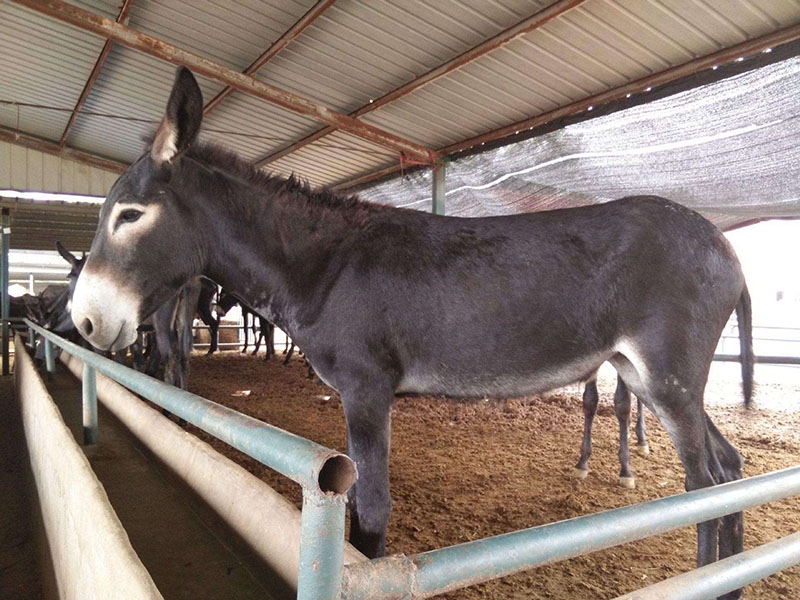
<point>464,470</point>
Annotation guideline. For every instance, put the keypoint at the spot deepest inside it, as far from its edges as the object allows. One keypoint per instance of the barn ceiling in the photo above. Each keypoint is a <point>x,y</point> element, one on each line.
<point>339,91</point>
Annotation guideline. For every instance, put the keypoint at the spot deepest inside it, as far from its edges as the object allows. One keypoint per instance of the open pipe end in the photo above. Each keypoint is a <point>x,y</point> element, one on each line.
<point>337,475</point>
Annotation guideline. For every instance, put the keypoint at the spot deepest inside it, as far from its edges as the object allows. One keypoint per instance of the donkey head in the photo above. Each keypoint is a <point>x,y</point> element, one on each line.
<point>146,246</point>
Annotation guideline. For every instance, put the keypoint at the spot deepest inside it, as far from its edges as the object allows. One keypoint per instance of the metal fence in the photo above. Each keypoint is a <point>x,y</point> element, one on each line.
<point>325,476</point>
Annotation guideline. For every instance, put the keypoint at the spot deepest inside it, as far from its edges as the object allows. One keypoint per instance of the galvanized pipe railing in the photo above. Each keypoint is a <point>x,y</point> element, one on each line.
<point>446,569</point>
<point>725,575</point>
<point>324,474</point>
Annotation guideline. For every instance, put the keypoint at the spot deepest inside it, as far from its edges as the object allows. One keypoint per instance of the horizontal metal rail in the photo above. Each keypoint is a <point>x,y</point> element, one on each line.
<point>324,474</point>
<point>301,460</point>
<point>725,575</point>
<point>446,569</point>
<point>438,571</point>
<point>761,360</point>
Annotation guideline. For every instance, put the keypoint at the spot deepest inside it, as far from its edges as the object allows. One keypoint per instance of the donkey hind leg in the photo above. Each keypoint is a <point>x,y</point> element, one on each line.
<point>288,355</point>
<point>213,329</point>
<point>684,420</point>
<point>622,408</point>
<point>368,416</point>
<point>680,411</point>
<point>641,430</point>
<point>726,465</point>
<point>257,337</point>
<point>729,462</point>
<point>590,401</point>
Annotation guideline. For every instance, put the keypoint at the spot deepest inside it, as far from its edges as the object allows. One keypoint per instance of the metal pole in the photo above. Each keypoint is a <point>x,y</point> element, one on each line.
<point>439,172</point>
<point>90,432</point>
<point>446,569</point>
<point>725,575</point>
<point>301,460</point>
<point>49,356</point>
<point>321,546</point>
<point>31,284</point>
<point>6,234</point>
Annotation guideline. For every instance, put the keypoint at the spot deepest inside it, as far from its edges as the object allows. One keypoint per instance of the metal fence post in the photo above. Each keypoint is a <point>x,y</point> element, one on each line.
<point>4,300</point>
<point>321,546</point>
<point>49,356</point>
<point>90,433</point>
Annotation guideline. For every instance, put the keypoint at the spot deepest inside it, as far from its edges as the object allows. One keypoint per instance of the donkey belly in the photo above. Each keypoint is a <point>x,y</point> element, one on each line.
<point>481,380</point>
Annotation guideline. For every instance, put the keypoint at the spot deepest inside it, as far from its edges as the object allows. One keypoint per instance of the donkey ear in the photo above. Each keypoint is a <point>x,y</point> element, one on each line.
<point>66,254</point>
<point>181,122</point>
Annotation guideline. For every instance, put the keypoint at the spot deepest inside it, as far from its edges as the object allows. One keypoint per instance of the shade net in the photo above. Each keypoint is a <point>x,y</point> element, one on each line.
<point>728,149</point>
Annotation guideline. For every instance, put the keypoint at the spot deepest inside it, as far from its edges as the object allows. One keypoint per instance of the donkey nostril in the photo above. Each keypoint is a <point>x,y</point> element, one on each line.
<point>88,328</point>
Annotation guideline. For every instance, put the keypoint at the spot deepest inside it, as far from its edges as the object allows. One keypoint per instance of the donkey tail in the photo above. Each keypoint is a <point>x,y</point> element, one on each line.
<point>744,316</point>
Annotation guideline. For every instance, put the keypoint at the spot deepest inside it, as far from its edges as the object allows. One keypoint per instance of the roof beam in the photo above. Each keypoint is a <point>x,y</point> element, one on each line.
<point>22,139</point>
<point>147,44</point>
<point>122,17</point>
<point>295,30</point>
<point>669,75</point>
<point>501,39</point>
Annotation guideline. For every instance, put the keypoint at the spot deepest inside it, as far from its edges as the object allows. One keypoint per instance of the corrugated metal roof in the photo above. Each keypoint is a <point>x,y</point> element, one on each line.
<point>44,63</point>
<point>354,53</point>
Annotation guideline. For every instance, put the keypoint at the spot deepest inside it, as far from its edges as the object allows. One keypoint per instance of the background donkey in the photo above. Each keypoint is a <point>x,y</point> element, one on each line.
<point>386,300</point>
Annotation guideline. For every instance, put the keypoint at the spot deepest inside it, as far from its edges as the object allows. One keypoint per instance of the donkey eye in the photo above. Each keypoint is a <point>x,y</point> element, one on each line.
<point>129,215</point>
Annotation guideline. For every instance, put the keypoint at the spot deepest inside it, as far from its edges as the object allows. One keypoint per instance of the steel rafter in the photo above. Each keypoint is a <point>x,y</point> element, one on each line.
<point>295,30</point>
<point>160,49</point>
<point>122,17</point>
<point>501,39</point>
<point>48,147</point>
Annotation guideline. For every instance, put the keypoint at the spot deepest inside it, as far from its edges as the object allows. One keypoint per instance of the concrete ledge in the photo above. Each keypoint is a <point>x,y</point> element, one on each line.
<point>91,554</point>
<point>264,519</point>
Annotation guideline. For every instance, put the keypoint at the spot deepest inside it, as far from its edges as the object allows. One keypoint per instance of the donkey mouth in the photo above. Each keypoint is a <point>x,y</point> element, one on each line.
<point>123,338</point>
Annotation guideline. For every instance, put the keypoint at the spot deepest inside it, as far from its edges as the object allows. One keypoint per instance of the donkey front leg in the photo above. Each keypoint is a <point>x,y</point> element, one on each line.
<point>368,417</point>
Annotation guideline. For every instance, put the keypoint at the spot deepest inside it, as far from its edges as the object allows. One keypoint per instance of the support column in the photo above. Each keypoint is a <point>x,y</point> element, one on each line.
<point>321,546</point>
<point>5,219</point>
<point>439,172</point>
<point>89,405</point>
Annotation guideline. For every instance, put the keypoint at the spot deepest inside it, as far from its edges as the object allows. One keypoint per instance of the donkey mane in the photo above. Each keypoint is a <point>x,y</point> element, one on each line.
<point>319,202</point>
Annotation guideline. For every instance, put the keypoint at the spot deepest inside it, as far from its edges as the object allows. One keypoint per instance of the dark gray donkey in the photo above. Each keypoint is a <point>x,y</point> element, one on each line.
<point>387,301</point>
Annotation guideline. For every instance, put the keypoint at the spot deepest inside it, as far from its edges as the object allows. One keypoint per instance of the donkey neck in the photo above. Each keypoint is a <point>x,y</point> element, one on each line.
<point>272,243</point>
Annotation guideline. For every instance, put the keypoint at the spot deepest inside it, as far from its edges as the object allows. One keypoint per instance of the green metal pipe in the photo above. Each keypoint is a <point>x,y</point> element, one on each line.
<point>725,575</point>
<point>49,355</point>
<point>90,429</point>
<point>439,571</point>
<point>303,461</point>
<point>439,189</point>
<point>321,547</point>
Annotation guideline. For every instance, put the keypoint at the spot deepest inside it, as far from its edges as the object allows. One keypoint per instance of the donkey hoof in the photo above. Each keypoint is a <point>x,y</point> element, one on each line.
<point>629,483</point>
<point>643,450</point>
<point>579,473</point>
